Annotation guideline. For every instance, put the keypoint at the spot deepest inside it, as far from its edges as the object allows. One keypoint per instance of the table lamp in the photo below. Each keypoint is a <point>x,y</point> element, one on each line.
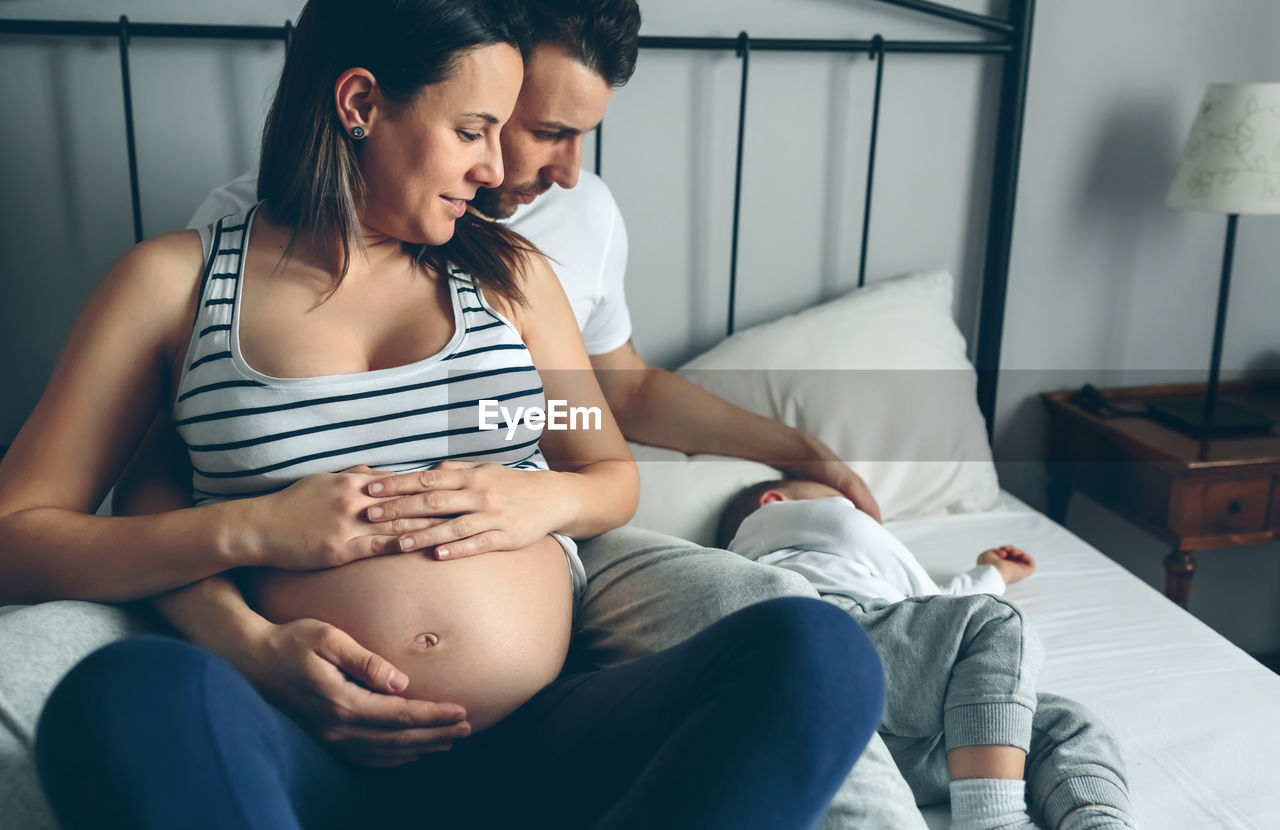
<point>1231,165</point>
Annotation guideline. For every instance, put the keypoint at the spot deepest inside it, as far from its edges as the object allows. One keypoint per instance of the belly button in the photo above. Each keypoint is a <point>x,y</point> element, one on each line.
<point>426,639</point>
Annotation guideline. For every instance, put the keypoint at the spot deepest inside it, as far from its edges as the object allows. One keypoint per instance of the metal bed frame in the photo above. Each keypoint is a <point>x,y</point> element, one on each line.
<point>1009,40</point>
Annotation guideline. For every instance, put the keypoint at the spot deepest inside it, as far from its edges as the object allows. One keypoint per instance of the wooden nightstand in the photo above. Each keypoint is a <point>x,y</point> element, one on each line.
<point>1196,494</point>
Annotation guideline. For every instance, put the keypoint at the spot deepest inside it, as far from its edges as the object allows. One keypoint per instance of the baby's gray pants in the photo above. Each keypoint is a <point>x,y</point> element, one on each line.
<point>959,671</point>
<point>962,671</point>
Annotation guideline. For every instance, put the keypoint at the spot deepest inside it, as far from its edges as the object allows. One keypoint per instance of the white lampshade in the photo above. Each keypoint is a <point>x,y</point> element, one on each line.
<point>1231,163</point>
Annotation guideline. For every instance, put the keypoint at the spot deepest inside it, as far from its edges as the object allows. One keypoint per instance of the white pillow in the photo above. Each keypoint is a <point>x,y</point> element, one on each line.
<point>684,495</point>
<point>879,375</point>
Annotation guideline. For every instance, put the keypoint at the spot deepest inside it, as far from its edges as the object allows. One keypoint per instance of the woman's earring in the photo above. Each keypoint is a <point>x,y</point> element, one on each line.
<point>357,131</point>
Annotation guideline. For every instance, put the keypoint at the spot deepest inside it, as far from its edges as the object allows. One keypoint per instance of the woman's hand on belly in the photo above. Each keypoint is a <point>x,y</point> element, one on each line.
<point>469,508</point>
<point>320,521</point>
<point>346,696</point>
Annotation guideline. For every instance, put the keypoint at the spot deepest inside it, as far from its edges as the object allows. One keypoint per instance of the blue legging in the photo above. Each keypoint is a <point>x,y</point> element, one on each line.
<point>753,723</point>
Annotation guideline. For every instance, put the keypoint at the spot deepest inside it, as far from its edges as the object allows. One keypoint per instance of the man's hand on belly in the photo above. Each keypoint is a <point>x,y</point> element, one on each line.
<point>346,695</point>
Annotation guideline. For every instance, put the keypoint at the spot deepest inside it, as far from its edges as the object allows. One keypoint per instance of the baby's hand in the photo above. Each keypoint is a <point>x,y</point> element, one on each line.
<point>1012,563</point>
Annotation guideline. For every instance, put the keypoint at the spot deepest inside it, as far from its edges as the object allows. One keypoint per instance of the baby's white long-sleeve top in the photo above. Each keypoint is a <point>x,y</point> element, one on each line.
<point>842,550</point>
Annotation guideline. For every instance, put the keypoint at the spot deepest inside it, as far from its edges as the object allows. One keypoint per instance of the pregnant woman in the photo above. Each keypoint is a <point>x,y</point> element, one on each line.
<point>359,315</point>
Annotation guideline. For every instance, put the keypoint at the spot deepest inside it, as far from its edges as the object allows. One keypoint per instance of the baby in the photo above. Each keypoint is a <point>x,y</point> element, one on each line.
<point>960,664</point>
<point>812,529</point>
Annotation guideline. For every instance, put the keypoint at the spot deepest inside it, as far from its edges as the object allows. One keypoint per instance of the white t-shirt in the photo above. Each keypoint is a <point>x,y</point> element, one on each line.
<point>842,550</point>
<point>580,230</point>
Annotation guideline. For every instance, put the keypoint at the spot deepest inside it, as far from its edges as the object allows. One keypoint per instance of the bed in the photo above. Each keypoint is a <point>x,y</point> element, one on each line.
<point>1195,716</point>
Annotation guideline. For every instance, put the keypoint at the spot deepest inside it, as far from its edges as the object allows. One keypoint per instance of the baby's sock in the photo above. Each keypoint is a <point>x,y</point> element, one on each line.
<point>989,804</point>
<point>1097,817</point>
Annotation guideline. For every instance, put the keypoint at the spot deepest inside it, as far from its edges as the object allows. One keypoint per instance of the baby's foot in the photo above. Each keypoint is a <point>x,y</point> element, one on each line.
<point>989,804</point>
<point>1097,817</point>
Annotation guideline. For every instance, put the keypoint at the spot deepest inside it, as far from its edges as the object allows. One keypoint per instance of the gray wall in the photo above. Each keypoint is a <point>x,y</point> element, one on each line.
<point>1106,283</point>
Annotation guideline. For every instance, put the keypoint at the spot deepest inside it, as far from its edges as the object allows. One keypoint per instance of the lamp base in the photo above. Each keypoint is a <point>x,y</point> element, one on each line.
<point>1187,415</point>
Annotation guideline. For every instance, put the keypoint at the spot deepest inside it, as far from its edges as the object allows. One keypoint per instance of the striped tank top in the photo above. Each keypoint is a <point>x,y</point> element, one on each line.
<point>249,434</point>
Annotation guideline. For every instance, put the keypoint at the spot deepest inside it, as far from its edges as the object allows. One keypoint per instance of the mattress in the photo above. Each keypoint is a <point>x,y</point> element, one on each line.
<point>1197,718</point>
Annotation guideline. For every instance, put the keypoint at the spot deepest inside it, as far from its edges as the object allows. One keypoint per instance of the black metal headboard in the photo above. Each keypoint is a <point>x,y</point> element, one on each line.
<point>1009,40</point>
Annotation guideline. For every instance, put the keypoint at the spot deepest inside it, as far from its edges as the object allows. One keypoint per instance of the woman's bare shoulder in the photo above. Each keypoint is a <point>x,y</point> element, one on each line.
<point>536,270</point>
<point>546,321</point>
<point>538,286</point>
<point>162,275</point>
<point>176,254</point>
<point>170,265</point>
<point>531,270</point>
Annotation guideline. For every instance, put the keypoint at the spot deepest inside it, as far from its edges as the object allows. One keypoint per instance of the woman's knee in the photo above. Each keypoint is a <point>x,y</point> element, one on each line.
<point>813,649</point>
<point>129,663</point>
<point>817,672</point>
<point>98,700</point>
<point>817,628</point>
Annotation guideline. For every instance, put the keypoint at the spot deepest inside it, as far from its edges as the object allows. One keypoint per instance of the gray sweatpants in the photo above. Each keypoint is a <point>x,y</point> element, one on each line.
<point>958,671</point>
<point>647,591</point>
<point>988,697</point>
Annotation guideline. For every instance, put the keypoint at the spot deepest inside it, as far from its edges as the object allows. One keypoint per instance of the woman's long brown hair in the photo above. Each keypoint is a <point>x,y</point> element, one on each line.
<point>309,172</point>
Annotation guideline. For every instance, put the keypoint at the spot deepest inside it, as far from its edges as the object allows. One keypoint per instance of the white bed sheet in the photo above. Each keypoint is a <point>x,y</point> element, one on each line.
<point>1197,718</point>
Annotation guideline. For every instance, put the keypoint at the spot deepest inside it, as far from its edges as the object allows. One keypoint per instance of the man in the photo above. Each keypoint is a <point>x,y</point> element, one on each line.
<point>645,591</point>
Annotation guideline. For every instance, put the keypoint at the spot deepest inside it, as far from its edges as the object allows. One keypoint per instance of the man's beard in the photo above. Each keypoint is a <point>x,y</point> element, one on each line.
<point>489,202</point>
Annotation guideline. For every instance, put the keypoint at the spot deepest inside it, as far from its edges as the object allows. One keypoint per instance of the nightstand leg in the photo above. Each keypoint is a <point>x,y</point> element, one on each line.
<point>1059,496</point>
<point>1179,567</point>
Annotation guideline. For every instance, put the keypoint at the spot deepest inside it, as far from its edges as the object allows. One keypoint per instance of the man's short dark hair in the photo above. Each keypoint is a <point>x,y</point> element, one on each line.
<point>603,35</point>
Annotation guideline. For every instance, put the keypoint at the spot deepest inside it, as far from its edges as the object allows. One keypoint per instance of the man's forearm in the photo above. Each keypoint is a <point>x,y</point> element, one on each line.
<point>660,408</point>
<point>663,409</point>
<point>213,613</point>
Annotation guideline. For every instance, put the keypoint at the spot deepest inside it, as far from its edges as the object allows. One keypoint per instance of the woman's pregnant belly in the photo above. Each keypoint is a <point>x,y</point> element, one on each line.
<point>485,632</point>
